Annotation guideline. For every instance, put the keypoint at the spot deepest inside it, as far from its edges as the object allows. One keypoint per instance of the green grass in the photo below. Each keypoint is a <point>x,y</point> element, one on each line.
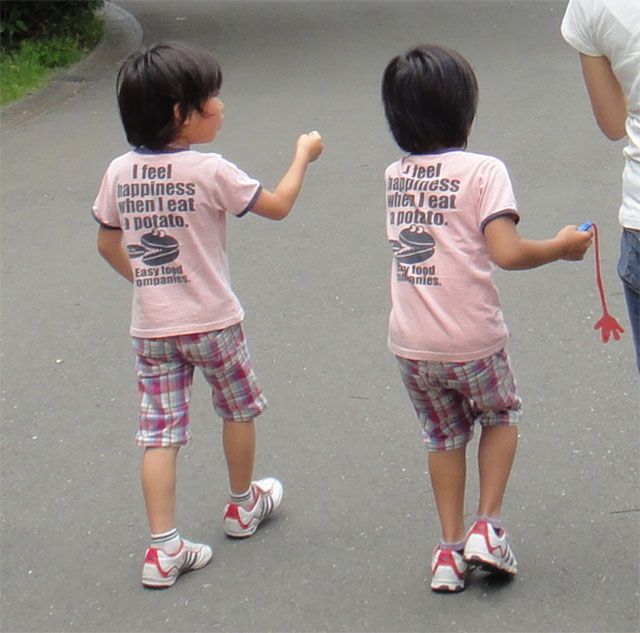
<point>26,68</point>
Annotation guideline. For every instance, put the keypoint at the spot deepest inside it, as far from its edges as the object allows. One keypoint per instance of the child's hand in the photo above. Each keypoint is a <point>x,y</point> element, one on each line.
<point>574,244</point>
<point>310,145</point>
<point>278,204</point>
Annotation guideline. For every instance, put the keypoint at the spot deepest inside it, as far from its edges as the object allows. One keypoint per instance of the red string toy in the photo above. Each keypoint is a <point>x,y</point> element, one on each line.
<point>607,323</point>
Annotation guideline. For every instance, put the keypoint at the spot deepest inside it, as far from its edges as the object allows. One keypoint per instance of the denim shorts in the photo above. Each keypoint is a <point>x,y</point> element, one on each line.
<point>449,398</point>
<point>629,271</point>
<point>165,368</point>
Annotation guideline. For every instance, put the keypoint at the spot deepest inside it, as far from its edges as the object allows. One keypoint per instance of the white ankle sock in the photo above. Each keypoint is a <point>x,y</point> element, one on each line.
<point>456,547</point>
<point>168,542</point>
<point>244,499</point>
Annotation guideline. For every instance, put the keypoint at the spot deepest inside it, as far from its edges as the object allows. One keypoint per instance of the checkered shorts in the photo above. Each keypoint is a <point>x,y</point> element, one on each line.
<point>165,368</point>
<point>450,397</point>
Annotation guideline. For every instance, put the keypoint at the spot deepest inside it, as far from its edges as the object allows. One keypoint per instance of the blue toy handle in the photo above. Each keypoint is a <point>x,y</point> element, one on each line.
<point>585,227</point>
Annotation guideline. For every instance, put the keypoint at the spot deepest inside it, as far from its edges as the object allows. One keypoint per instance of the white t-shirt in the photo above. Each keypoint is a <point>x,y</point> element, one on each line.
<point>445,306</point>
<point>612,28</point>
<point>172,207</point>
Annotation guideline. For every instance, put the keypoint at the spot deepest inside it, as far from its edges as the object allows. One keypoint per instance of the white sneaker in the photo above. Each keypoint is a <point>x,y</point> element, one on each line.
<point>239,522</point>
<point>448,570</point>
<point>162,570</point>
<point>489,548</point>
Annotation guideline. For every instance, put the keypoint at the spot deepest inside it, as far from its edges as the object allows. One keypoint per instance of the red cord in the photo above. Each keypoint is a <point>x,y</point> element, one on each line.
<point>608,324</point>
<point>603,301</point>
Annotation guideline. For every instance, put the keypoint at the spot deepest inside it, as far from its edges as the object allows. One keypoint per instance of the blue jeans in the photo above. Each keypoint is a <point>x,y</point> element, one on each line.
<point>629,271</point>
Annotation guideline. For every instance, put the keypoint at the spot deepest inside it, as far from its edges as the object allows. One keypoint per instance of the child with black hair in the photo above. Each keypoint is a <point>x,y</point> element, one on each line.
<point>162,210</point>
<point>452,215</point>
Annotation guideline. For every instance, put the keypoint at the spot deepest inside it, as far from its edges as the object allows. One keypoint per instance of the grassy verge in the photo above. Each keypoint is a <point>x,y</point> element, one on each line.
<point>27,66</point>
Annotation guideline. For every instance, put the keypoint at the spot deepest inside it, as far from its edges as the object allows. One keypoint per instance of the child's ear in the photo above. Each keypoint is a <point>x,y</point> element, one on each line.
<point>177,115</point>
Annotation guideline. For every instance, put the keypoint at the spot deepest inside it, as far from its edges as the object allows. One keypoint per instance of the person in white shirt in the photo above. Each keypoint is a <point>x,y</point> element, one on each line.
<point>606,33</point>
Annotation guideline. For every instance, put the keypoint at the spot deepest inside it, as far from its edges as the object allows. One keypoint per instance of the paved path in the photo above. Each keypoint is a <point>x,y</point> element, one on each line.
<point>349,551</point>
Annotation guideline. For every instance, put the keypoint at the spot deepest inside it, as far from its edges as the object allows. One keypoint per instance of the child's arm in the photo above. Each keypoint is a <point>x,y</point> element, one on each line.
<point>277,204</point>
<point>607,98</point>
<point>111,248</point>
<point>512,252</point>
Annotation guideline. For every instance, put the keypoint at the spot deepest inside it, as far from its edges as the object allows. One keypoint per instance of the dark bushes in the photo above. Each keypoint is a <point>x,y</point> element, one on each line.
<point>27,19</point>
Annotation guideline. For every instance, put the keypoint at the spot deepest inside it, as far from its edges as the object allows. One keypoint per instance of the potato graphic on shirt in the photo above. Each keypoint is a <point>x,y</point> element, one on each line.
<point>414,245</point>
<point>156,249</point>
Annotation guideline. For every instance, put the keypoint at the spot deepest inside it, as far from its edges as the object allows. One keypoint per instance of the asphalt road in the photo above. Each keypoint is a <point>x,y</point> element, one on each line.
<point>350,548</point>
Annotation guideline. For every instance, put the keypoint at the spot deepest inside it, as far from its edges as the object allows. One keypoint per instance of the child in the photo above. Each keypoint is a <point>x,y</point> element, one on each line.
<point>451,215</point>
<point>607,36</point>
<point>162,210</point>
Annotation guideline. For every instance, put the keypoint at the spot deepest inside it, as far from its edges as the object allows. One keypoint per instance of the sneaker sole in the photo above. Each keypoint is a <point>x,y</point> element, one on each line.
<point>165,584</point>
<point>153,585</point>
<point>490,564</point>
<point>240,535</point>
<point>445,588</point>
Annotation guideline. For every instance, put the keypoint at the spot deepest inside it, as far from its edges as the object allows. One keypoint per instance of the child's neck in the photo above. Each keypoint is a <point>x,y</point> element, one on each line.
<point>179,144</point>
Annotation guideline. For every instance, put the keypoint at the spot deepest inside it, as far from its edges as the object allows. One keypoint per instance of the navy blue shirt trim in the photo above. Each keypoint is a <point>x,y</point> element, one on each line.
<point>252,202</point>
<point>498,214</point>
<point>444,150</point>
<point>106,226</point>
<point>163,150</point>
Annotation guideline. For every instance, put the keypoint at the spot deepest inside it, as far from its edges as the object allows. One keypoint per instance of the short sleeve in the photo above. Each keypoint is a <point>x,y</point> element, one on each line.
<point>235,191</point>
<point>496,193</point>
<point>105,207</point>
<point>578,27</point>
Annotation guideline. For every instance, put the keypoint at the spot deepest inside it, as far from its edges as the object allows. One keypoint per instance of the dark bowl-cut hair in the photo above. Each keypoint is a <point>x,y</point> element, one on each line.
<point>430,96</point>
<point>152,81</point>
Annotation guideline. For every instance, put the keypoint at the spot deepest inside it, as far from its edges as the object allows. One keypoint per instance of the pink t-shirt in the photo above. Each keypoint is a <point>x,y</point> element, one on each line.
<point>445,306</point>
<point>172,208</point>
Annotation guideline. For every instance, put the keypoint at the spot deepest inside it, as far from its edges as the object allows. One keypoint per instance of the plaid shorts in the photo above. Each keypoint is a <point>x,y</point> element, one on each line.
<point>165,368</point>
<point>450,397</point>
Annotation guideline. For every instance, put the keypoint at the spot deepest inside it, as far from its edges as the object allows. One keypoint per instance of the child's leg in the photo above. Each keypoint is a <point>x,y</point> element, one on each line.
<point>447,422</point>
<point>237,398</point>
<point>239,441</point>
<point>447,470</point>
<point>496,452</point>
<point>159,487</point>
<point>164,383</point>
<point>168,555</point>
<point>494,394</point>
<point>448,473</point>
<point>487,543</point>
<point>250,502</point>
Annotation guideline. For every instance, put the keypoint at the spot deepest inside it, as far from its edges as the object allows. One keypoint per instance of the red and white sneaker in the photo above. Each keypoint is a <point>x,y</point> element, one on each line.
<point>239,522</point>
<point>162,570</point>
<point>489,548</point>
<point>448,570</point>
